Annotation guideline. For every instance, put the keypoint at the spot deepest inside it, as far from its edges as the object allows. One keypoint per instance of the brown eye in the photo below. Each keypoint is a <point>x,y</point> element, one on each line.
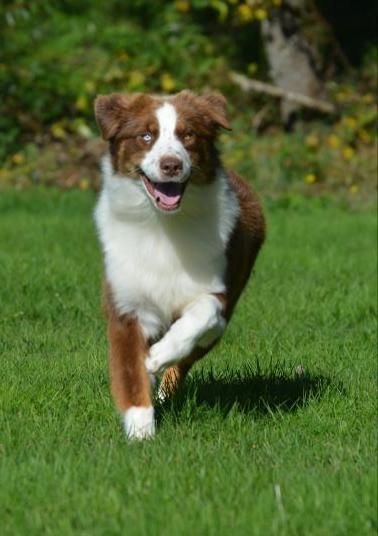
<point>188,137</point>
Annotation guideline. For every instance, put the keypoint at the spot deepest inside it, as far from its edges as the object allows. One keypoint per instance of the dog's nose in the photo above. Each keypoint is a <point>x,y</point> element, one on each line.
<point>170,166</point>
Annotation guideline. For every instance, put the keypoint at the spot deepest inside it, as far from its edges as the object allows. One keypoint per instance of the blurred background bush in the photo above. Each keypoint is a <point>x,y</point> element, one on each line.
<point>56,56</point>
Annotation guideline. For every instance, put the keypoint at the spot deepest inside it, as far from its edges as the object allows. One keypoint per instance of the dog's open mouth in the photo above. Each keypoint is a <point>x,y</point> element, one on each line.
<point>167,195</point>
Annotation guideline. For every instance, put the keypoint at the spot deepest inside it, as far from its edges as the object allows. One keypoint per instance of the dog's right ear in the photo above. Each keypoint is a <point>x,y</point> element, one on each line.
<point>110,112</point>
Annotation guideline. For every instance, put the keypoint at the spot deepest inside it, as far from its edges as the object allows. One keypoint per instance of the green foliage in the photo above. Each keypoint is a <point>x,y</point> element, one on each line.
<point>57,56</point>
<point>275,431</point>
<point>335,158</point>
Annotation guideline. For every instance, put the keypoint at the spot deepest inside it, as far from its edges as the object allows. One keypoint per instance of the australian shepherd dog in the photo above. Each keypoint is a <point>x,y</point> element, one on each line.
<point>179,234</point>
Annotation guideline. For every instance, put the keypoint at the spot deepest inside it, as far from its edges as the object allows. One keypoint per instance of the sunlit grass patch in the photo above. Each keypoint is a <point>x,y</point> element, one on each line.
<point>273,433</point>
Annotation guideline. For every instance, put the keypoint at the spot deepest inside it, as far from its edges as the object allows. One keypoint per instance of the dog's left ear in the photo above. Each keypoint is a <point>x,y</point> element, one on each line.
<point>216,109</point>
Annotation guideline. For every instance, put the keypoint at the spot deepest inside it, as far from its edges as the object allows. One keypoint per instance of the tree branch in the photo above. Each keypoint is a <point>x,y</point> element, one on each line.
<point>249,84</point>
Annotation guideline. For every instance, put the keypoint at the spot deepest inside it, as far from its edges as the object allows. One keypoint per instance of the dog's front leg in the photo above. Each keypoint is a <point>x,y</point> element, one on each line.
<point>129,380</point>
<point>201,323</point>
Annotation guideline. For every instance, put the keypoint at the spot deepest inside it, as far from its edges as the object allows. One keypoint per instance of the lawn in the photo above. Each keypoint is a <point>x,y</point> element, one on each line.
<point>274,433</point>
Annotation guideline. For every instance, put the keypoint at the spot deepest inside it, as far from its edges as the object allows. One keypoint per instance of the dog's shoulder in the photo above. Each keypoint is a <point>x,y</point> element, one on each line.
<point>251,217</point>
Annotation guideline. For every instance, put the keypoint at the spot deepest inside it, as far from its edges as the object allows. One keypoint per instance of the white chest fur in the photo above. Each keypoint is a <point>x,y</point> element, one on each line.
<point>158,263</point>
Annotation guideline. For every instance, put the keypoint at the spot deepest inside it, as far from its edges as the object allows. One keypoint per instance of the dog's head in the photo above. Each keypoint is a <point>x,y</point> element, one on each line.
<point>163,142</point>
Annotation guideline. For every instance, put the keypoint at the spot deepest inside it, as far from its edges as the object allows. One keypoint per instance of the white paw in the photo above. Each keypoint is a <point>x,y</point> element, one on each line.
<point>160,357</point>
<point>139,422</point>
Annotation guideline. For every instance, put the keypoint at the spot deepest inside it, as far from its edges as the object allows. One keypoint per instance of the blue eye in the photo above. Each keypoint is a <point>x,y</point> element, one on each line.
<point>147,137</point>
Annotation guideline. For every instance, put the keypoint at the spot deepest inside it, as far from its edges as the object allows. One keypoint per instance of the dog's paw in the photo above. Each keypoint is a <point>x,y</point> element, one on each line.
<point>153,366</point>
<point>139,422</point>
<point>161,356</point>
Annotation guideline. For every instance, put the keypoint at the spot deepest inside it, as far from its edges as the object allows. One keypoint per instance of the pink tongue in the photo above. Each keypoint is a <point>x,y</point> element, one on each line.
<point>168,200</point>
<point>167,194</point>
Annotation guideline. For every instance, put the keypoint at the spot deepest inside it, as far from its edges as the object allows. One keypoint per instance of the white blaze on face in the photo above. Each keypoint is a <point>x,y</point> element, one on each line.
<point>167,145</point>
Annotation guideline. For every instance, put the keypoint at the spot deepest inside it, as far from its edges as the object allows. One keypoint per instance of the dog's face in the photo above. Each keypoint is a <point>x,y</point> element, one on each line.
<point>163,142</point>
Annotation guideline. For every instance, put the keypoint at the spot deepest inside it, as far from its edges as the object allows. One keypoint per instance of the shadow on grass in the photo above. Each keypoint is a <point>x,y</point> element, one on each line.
<point>251,390</point>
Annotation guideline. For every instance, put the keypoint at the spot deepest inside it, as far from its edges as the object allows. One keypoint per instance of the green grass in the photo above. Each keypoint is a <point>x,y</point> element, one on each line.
<point>250,446</point>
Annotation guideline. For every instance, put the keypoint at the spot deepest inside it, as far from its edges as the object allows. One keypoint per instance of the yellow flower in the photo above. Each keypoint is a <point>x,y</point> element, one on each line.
<point>245,13</point>
<point>57,130</point>
<point>348,152</point>
<point>167,83</point>
<point>18,158</point>
<point>82,103</point>
<point>261,14</point>
<point>183,6</point>
<point>84,184</point>
<point>350,122</point>
<point>221,7</point>
<point>312,141</point>
<point>333,141</point>
<point>353,189</point>
<point>310,178</point>
<point>136,78</point>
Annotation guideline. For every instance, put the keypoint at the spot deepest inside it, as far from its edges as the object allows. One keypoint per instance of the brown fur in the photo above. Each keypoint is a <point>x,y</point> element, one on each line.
<point>201,117</point>
<point>130,383</point>
<point>245,242</point>
<point>123,120</point>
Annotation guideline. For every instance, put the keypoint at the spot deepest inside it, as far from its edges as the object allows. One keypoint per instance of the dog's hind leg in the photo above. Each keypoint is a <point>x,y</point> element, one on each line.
<point>171,381</point>
<point>174,376</point>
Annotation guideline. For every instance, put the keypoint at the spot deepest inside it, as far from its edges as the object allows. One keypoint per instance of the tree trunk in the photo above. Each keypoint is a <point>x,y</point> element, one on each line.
<point>292,60</point>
